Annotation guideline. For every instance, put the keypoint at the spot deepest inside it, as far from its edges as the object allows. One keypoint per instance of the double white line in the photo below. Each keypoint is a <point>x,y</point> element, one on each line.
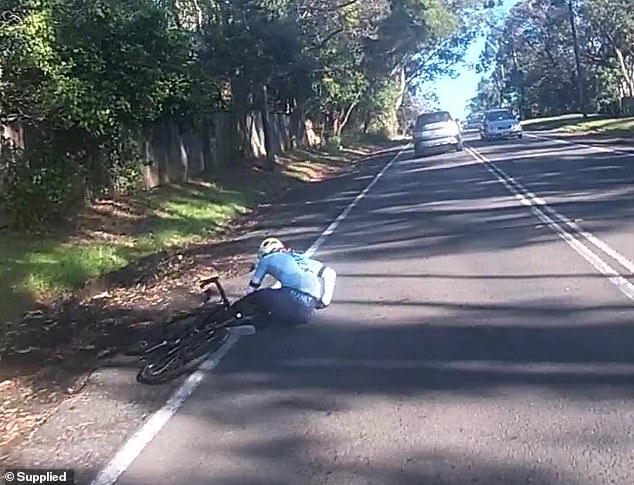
<point>582,241</point>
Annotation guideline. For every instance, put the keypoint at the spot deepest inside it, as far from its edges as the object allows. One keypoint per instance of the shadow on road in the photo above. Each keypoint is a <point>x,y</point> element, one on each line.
<point>437,468</point>
<point>556,346</point>
<point>337,369</point>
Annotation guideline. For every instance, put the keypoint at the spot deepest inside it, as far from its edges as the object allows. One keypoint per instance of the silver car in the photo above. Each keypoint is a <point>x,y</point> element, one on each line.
<point>500,123</point>
<point>473,121</point>
<point>436,131</point>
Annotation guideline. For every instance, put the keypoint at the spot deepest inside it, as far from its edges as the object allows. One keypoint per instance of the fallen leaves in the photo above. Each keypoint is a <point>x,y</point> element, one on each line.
<point>52,352</point>
<point>48,355</point>
<point>17,417</point>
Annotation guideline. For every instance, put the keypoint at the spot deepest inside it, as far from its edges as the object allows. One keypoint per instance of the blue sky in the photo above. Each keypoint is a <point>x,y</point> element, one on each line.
<point>453,94</point>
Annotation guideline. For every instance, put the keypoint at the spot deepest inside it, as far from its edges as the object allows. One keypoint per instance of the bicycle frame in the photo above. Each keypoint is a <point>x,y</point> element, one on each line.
<point>173,354</point>
<point>216,281</point>
<point>175,341</point>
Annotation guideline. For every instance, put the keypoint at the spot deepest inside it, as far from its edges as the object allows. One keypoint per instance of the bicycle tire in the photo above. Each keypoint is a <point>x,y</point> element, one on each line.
<point>172,365</point>
<point>139,347</point>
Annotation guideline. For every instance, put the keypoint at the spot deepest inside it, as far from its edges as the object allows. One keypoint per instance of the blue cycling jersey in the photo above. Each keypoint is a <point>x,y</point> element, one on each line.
<point>292,270</point>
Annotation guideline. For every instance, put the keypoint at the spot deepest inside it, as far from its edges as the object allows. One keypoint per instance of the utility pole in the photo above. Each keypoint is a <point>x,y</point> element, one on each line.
<point>580,88</point>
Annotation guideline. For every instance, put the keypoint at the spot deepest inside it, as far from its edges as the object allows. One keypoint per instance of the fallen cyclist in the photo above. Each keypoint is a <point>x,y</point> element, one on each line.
<point>303,286</point>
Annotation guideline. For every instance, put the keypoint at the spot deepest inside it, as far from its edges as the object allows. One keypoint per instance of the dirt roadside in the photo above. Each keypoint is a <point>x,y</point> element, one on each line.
<point>83,374</point>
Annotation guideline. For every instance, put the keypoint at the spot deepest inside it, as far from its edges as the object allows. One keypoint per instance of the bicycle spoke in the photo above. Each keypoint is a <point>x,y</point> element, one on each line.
<point>168,357</point>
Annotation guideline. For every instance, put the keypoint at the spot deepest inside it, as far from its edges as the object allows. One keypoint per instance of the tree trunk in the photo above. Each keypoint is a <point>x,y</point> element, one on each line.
<point>241,104</point>
<point>366,123</point>
<point>402,86</point>
<point>580,87</point>
<point>627,76</point>
<point>297,123</point>
<point>336,124</point>
<point>340,120</point>
<point>266,127</point>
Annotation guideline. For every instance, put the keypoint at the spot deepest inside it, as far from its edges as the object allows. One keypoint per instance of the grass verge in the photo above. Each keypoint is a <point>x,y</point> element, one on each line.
<point>38,268</point>
<point>374,139</point>
<point>575,123</point>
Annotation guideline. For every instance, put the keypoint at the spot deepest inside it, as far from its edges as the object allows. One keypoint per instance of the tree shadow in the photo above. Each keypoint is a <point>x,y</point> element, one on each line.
<point>439,467</point>
<point>426,350</point>
<point>594,186</point>
<point>51,350</point>
<point>281,407</point>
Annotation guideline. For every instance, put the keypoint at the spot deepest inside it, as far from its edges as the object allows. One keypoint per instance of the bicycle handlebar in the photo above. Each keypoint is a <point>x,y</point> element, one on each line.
<point>207,281</point>
<point>204,283</point>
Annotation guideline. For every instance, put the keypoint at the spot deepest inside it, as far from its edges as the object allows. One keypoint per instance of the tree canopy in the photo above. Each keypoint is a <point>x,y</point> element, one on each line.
<point>97,70</point>
<point>531,57</point>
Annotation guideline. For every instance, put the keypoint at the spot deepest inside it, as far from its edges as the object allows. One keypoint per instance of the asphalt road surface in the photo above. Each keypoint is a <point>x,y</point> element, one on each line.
<point>481,332</point>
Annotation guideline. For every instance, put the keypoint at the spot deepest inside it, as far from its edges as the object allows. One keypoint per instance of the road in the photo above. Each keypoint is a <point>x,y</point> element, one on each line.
<point>471,340</point>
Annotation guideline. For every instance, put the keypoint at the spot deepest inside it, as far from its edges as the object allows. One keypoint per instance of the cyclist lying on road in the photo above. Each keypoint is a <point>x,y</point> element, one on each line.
<point>304,285</point>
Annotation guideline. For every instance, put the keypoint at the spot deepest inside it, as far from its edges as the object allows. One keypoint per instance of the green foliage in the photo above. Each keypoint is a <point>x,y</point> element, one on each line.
<point>339,92</point>
<point>531,62</point>
<point>79,74</point>
<point>96,66</point>
<point>40,187</point>
<point>333,143</point>
<point>379,108</point>
<point>85,75</point>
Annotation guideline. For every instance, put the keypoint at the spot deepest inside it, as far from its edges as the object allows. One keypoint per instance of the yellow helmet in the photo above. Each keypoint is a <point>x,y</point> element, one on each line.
<point>270,245</point>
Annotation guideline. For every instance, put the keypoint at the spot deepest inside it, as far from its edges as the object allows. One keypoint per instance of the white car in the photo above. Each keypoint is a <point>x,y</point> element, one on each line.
<point>500,123</point>
<point>436,131</point>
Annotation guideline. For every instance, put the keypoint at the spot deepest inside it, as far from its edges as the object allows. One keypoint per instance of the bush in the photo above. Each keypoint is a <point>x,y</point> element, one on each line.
<point>45,181</point>
<point>333,144</point>
<point>39,187</point>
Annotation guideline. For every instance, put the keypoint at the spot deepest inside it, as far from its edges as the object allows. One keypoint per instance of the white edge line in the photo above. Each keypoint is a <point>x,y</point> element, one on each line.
<point>591,238</point>
<point>334,224</point>
<point>135,445</point>
<point>140,439</point>
<point>604,268</point>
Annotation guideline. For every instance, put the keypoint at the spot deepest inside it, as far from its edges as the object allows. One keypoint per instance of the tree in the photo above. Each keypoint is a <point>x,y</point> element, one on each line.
<point>611,26</point>
<point>536,63</point>
<point>416,101</point>
<point>88,74</point>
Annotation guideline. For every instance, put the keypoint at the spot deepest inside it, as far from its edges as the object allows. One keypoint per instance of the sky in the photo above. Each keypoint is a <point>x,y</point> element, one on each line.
<point>453,94</point>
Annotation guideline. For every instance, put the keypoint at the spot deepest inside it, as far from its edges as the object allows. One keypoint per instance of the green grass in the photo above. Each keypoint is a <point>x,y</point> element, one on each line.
<point>575,123</point>
<point>185,216</point>
<point>41,267</point>
<point>611,126</point>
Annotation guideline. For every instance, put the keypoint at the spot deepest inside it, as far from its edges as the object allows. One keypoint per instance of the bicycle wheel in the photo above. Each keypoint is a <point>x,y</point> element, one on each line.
<point>165,364</point>
<point>170,329</point>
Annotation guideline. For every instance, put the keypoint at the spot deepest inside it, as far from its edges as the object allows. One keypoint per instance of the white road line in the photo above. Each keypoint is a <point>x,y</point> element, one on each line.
<point>146,433</point>
<point>595,260</point>
<point>596,241</point>
<point>334,224</point>
<point>140,439</point>
<point>574,143</point>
